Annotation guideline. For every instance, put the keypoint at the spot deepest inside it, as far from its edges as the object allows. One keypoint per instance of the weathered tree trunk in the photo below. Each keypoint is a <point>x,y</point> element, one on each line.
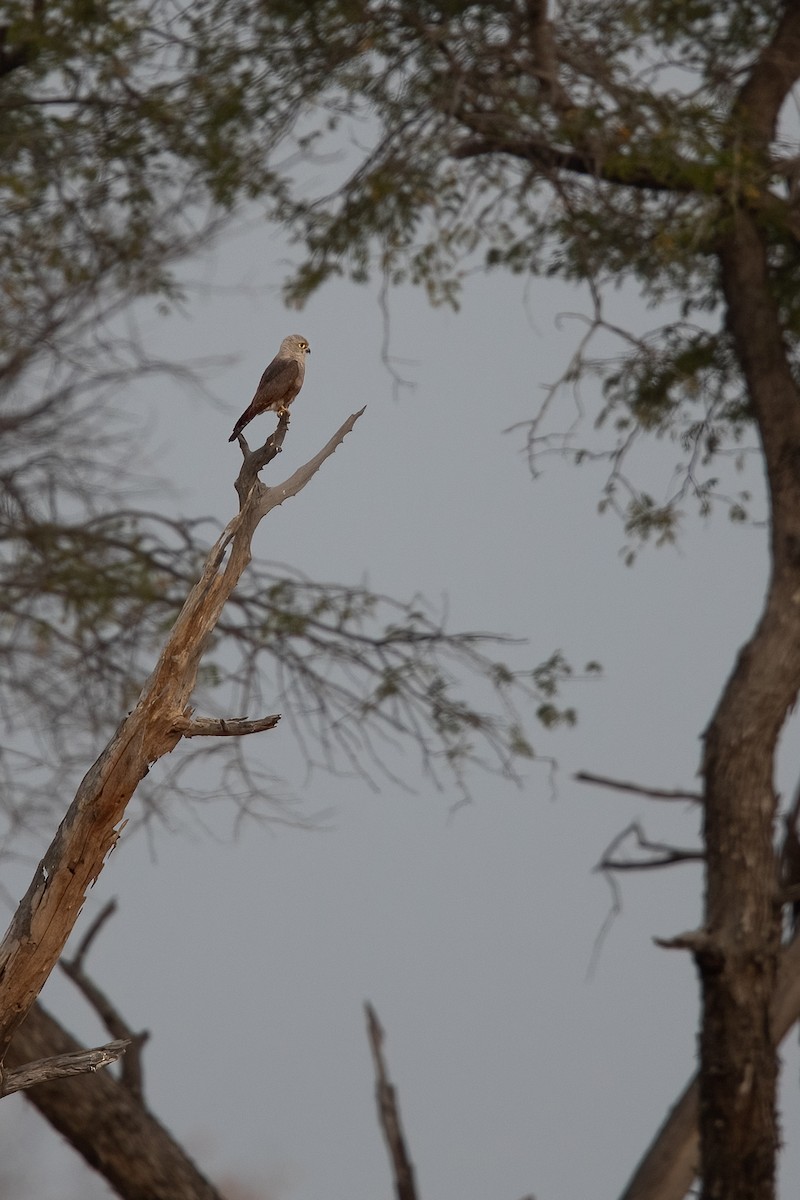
<point>738,957</point>
<point>672,1161</point>
<point>737,953</point>
<point>162,716</point>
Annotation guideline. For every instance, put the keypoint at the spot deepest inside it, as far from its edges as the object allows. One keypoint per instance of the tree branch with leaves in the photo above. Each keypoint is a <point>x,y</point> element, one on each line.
<point>560,143</point>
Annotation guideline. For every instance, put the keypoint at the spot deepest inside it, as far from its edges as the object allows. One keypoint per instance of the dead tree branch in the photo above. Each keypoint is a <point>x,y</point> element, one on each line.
<point>88,833</point>
<point>86,942</point>
<point>389,1113</point>
<point>225,726</point>
<point>61,1066</point>
<point>105,1123</point>
<point>638,789</point>
<point>131,1075</point>
<point>661,853</point>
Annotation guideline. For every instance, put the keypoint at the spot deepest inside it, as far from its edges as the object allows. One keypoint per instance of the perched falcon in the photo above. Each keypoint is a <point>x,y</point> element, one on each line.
<point>279,384</point>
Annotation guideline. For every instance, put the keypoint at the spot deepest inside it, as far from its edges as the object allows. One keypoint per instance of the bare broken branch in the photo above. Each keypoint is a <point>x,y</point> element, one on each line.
<point>639,789</point>
<point>61,1066</point>
<point>298,480</point>
<point>224,726</point>
<point>695,940</point>
<point>389,1113</point>
<point>668,857</point>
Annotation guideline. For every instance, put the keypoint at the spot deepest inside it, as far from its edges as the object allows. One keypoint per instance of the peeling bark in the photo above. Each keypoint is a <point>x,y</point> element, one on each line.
<point>90,829</point>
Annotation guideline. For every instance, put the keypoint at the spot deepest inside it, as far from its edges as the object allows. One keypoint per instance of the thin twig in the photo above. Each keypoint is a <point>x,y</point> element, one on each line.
<point>131,1075</point>
<point>85,944</point>
<point>667,855</point>
<point>669,858</point>
<point>639,789</point>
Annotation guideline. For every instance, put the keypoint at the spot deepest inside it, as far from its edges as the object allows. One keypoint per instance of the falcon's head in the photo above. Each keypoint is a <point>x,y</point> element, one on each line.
<point>294,346</point>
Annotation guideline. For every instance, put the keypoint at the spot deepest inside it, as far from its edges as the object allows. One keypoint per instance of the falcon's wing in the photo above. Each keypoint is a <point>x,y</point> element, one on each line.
<point>277,379</point>
<point>278,386</point>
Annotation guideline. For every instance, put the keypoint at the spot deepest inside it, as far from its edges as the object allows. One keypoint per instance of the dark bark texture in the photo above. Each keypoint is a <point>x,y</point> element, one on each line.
<point>107,1123</point>
<point>738,956</point>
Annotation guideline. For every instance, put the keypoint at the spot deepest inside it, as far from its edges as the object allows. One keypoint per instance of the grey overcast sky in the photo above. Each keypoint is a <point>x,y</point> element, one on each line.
<point>472,932</point>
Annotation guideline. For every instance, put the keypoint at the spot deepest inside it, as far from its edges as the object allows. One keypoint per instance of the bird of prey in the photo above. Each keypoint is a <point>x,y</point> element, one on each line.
<point>279,384</point>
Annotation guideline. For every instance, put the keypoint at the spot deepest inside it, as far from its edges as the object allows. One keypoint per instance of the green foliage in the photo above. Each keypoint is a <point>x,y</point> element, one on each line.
<point>123,126</point>
<point>456,136</point>
<point>128,131</point>
<point>597,149</point>
<point>85,604</point>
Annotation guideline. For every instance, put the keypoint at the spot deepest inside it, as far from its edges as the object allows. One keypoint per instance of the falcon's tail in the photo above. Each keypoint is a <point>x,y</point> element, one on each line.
<point>244,419</point>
